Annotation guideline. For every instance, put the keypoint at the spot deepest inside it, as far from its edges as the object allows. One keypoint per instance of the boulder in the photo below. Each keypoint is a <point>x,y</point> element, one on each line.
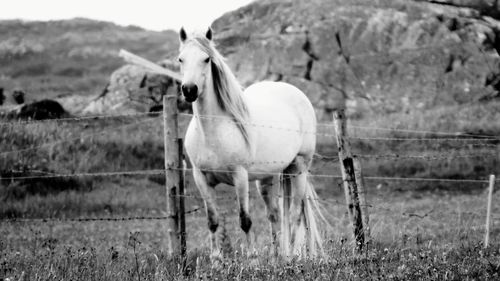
<point>385,56</point>
<point>132,89</point>
<point>486,7</point>
<point>38,110</point>
<point>18,96</point>
<point>74,104</point>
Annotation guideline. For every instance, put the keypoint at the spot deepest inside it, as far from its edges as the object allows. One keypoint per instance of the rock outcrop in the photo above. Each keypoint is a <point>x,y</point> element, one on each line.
<point>18,96</point>
<point>386,56</point>
<point>37,110</point>
<point>485,7</point>
<point>132,89</point>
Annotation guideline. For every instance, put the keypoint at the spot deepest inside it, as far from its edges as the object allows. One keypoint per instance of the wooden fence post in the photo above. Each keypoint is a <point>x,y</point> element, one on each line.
<point>488,211</point>
<point>182,209</point>
<point>348,177</point>
<point>170,127</point>
<point>360,181</point>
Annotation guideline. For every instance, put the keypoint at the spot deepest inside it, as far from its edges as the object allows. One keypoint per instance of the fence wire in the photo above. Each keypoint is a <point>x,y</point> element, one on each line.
<point>458,136</point>
<point>162,171</point>
<point>428,132</point>
<point>80,137</point>
<point>478,140</point>
<point>455,139</point>
<point>78,119</point>
<point>93,219</point>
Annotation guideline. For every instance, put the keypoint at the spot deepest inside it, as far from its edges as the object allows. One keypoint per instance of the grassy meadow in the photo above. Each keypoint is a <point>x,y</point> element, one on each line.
<point>429,230</point>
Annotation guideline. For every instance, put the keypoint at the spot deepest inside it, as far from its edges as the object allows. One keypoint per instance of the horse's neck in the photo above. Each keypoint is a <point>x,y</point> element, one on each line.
<point>207,110</point>
<point>207,106</point>
<point>211,118</point>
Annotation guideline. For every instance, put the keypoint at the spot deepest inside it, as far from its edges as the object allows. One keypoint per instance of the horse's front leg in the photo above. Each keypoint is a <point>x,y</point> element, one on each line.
<point>208,193</point>
<point>240,180</point>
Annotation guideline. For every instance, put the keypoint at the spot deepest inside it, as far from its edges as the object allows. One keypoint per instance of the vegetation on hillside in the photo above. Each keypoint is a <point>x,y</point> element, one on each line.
<point>77,56</point>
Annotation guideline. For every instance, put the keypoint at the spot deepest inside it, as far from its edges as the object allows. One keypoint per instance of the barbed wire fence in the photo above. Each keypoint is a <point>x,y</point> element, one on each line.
<point>477,141</point>
<point>465,140</point>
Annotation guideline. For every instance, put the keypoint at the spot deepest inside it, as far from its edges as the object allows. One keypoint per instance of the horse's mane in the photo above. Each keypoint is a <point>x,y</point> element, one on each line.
<point>227,88</point>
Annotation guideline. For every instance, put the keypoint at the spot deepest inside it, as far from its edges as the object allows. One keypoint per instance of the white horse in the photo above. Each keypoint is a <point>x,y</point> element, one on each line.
<point>238,136</point>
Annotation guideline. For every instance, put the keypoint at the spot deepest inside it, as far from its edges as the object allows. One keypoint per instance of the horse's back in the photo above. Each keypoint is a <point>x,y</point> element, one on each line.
<point>278,99</point>
<point>284,120</point>
<point>278,92</point>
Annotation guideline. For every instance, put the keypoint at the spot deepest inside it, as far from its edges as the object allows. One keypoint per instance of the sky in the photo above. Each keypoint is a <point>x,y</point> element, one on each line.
<point>150,14</point>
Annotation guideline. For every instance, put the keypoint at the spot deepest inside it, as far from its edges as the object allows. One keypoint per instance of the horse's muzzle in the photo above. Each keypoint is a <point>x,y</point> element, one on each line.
<point>190,92</point>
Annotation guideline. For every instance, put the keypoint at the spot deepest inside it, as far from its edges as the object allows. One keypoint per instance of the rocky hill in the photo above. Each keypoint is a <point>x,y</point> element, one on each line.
<point>388,60</point>
<point>68,57</point>
<point>387,56</point>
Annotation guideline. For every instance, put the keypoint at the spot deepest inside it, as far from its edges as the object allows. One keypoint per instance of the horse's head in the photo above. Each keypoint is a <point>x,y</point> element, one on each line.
<point>194,58</point>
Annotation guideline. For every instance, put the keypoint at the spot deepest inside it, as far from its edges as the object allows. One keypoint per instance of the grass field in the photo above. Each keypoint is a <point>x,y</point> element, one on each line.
<point>427,230</point>
<point>420,231</point>
<point>424,236</point>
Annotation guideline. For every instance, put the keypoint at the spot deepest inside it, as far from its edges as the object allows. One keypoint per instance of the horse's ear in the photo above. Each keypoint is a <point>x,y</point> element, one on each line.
<point>209,34</point>
<point>182,35</point>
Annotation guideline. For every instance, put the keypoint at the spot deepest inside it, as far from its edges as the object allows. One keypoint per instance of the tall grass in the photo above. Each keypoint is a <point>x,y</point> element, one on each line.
<point>45,149</point>
<point>419,235</point>
<point>111,145</point>
<point>380,263</point>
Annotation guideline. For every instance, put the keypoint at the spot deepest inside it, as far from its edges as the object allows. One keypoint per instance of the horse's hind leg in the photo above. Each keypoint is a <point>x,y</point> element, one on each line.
<point>268,191</point>
<point>299,170</point>
<point>208,194</point>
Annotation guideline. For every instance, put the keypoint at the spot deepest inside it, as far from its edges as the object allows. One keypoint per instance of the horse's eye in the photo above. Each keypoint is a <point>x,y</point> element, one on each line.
<point>206,60</point>
<point>180,60</point>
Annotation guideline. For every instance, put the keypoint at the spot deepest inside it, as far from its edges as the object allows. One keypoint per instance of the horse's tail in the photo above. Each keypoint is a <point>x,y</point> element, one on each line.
<point>286,199</point>
<point>307,234</point>
<point>311,221</point>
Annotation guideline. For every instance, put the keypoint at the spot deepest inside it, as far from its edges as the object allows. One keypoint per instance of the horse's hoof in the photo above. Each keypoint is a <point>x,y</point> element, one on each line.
<point>216,260</point>
<point>216,255</point>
